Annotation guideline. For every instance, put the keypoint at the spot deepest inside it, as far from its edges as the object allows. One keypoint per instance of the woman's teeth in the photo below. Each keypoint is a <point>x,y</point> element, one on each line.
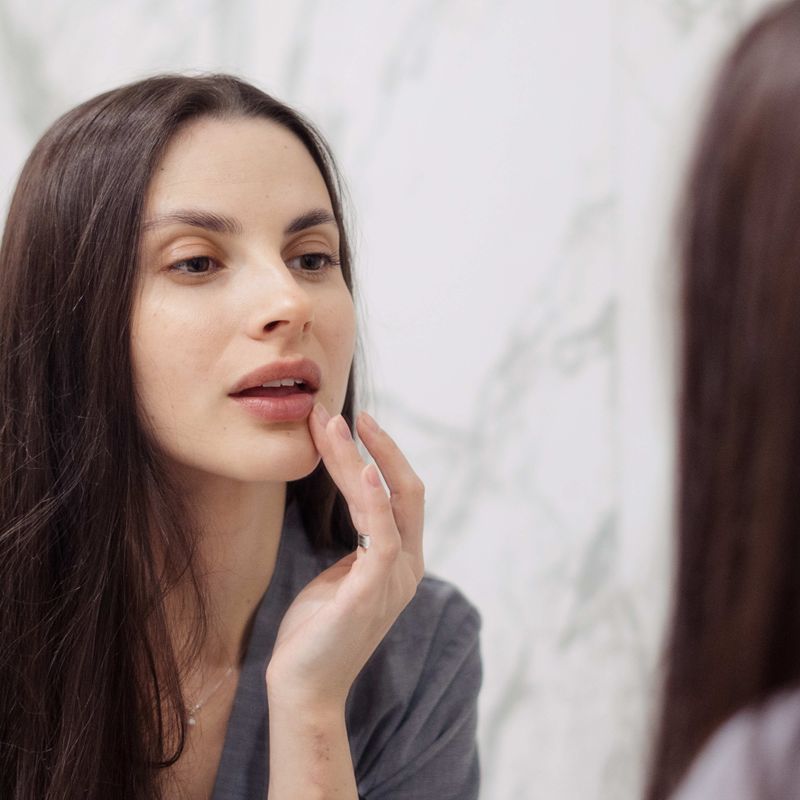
<point>282,382</point>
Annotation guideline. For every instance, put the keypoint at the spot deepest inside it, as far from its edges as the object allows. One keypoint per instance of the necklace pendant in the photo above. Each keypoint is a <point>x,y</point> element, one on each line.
<point>191,720</point>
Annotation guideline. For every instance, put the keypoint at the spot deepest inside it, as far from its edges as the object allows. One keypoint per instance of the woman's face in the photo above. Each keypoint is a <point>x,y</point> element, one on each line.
<point>238,271</point>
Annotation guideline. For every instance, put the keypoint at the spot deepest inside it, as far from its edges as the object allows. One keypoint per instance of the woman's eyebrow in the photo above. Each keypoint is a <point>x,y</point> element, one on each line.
<point>218,223</point>
<point>319,216</point>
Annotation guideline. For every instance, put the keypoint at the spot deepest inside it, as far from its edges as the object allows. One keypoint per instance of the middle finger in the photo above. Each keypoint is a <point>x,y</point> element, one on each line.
<point>339,453</point>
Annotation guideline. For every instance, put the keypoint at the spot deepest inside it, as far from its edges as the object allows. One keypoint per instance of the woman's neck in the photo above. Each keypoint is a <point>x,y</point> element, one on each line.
<point>236,554</point>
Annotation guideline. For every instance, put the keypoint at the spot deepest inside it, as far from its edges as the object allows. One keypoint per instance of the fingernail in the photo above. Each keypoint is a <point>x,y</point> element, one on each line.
<point>372,476</point>
<point>344,431</point>
<point>322,414</point>
<point>369,422</point>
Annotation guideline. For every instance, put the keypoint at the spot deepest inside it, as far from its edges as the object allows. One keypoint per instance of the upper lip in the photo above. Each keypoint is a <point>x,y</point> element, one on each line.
<point>301,368</point>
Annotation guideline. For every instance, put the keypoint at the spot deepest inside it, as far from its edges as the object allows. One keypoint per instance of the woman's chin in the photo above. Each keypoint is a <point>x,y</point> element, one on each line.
<point>298,471</point>
<point>285,463</point>
<point>251,462</point>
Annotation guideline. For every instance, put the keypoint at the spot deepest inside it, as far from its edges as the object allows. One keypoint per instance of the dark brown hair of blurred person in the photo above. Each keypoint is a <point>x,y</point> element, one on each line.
<point>735,628</point>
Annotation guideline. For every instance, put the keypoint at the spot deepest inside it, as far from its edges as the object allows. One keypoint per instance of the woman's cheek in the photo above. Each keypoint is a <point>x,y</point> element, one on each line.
<point>343,336</point>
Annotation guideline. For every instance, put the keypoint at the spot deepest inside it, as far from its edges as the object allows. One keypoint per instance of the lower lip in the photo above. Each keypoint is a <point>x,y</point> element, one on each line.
<point>289,408</point>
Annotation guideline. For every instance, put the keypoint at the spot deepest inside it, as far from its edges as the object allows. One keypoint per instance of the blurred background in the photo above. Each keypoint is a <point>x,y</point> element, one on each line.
<point>512,167</point>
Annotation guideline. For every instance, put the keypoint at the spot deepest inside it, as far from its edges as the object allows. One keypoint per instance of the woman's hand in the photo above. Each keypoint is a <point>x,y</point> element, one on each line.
<point>338,620</point>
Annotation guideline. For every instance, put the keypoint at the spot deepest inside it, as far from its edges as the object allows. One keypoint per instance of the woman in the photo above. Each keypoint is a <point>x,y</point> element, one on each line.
<point>184,611</point>
<point>734,646</point>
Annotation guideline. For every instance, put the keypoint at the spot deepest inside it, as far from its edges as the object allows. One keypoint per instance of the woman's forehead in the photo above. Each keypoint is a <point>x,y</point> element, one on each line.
<point>237,161</point>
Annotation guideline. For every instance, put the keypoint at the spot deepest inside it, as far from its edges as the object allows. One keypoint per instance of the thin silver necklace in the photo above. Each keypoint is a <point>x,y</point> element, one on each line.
<point>191,713</point>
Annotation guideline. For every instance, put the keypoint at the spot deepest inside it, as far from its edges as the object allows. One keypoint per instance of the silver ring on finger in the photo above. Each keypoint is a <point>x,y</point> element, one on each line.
<point>364,540</point>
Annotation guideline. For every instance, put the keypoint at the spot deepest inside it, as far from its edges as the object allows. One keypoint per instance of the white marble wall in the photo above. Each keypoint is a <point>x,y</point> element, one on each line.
<point>512,166</point>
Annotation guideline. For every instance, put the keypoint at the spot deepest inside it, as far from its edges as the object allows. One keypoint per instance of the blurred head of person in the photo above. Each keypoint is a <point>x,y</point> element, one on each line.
<point>734,637</point>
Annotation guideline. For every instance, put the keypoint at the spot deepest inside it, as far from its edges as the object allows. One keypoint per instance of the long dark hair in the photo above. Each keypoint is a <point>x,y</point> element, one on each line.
<point>735,630</point>
<point>90,701</point>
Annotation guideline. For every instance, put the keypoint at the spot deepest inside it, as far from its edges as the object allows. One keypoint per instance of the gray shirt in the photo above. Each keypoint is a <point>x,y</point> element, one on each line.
<point>411,713</point>
<point>753,756</point>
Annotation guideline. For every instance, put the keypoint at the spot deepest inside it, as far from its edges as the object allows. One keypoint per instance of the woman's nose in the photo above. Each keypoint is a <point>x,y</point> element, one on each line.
<point>278,303</point>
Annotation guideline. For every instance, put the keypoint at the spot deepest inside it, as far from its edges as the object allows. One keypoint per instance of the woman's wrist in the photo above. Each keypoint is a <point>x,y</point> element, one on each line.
<point>309,747</point>
<point>298,697</point>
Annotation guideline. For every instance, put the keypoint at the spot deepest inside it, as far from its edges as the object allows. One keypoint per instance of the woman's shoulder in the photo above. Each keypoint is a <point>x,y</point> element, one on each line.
<point>438,625</point>
<point>413,708</point>
<point>752,753</point>
<point>438,610</point>
<point>432,647</point>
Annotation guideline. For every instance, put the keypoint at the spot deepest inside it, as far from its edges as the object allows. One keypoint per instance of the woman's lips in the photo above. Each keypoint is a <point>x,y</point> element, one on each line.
<point>271,391</point>
<point>276,404</point>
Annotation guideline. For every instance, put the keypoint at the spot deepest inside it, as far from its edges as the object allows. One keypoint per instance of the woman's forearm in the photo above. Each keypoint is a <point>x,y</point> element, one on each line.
<point>336,622</point>
<point>309,752</point>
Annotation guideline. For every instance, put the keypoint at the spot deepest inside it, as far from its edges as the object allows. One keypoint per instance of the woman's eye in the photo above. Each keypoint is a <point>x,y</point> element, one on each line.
<point>198,265</point>
<point>314,262</point>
